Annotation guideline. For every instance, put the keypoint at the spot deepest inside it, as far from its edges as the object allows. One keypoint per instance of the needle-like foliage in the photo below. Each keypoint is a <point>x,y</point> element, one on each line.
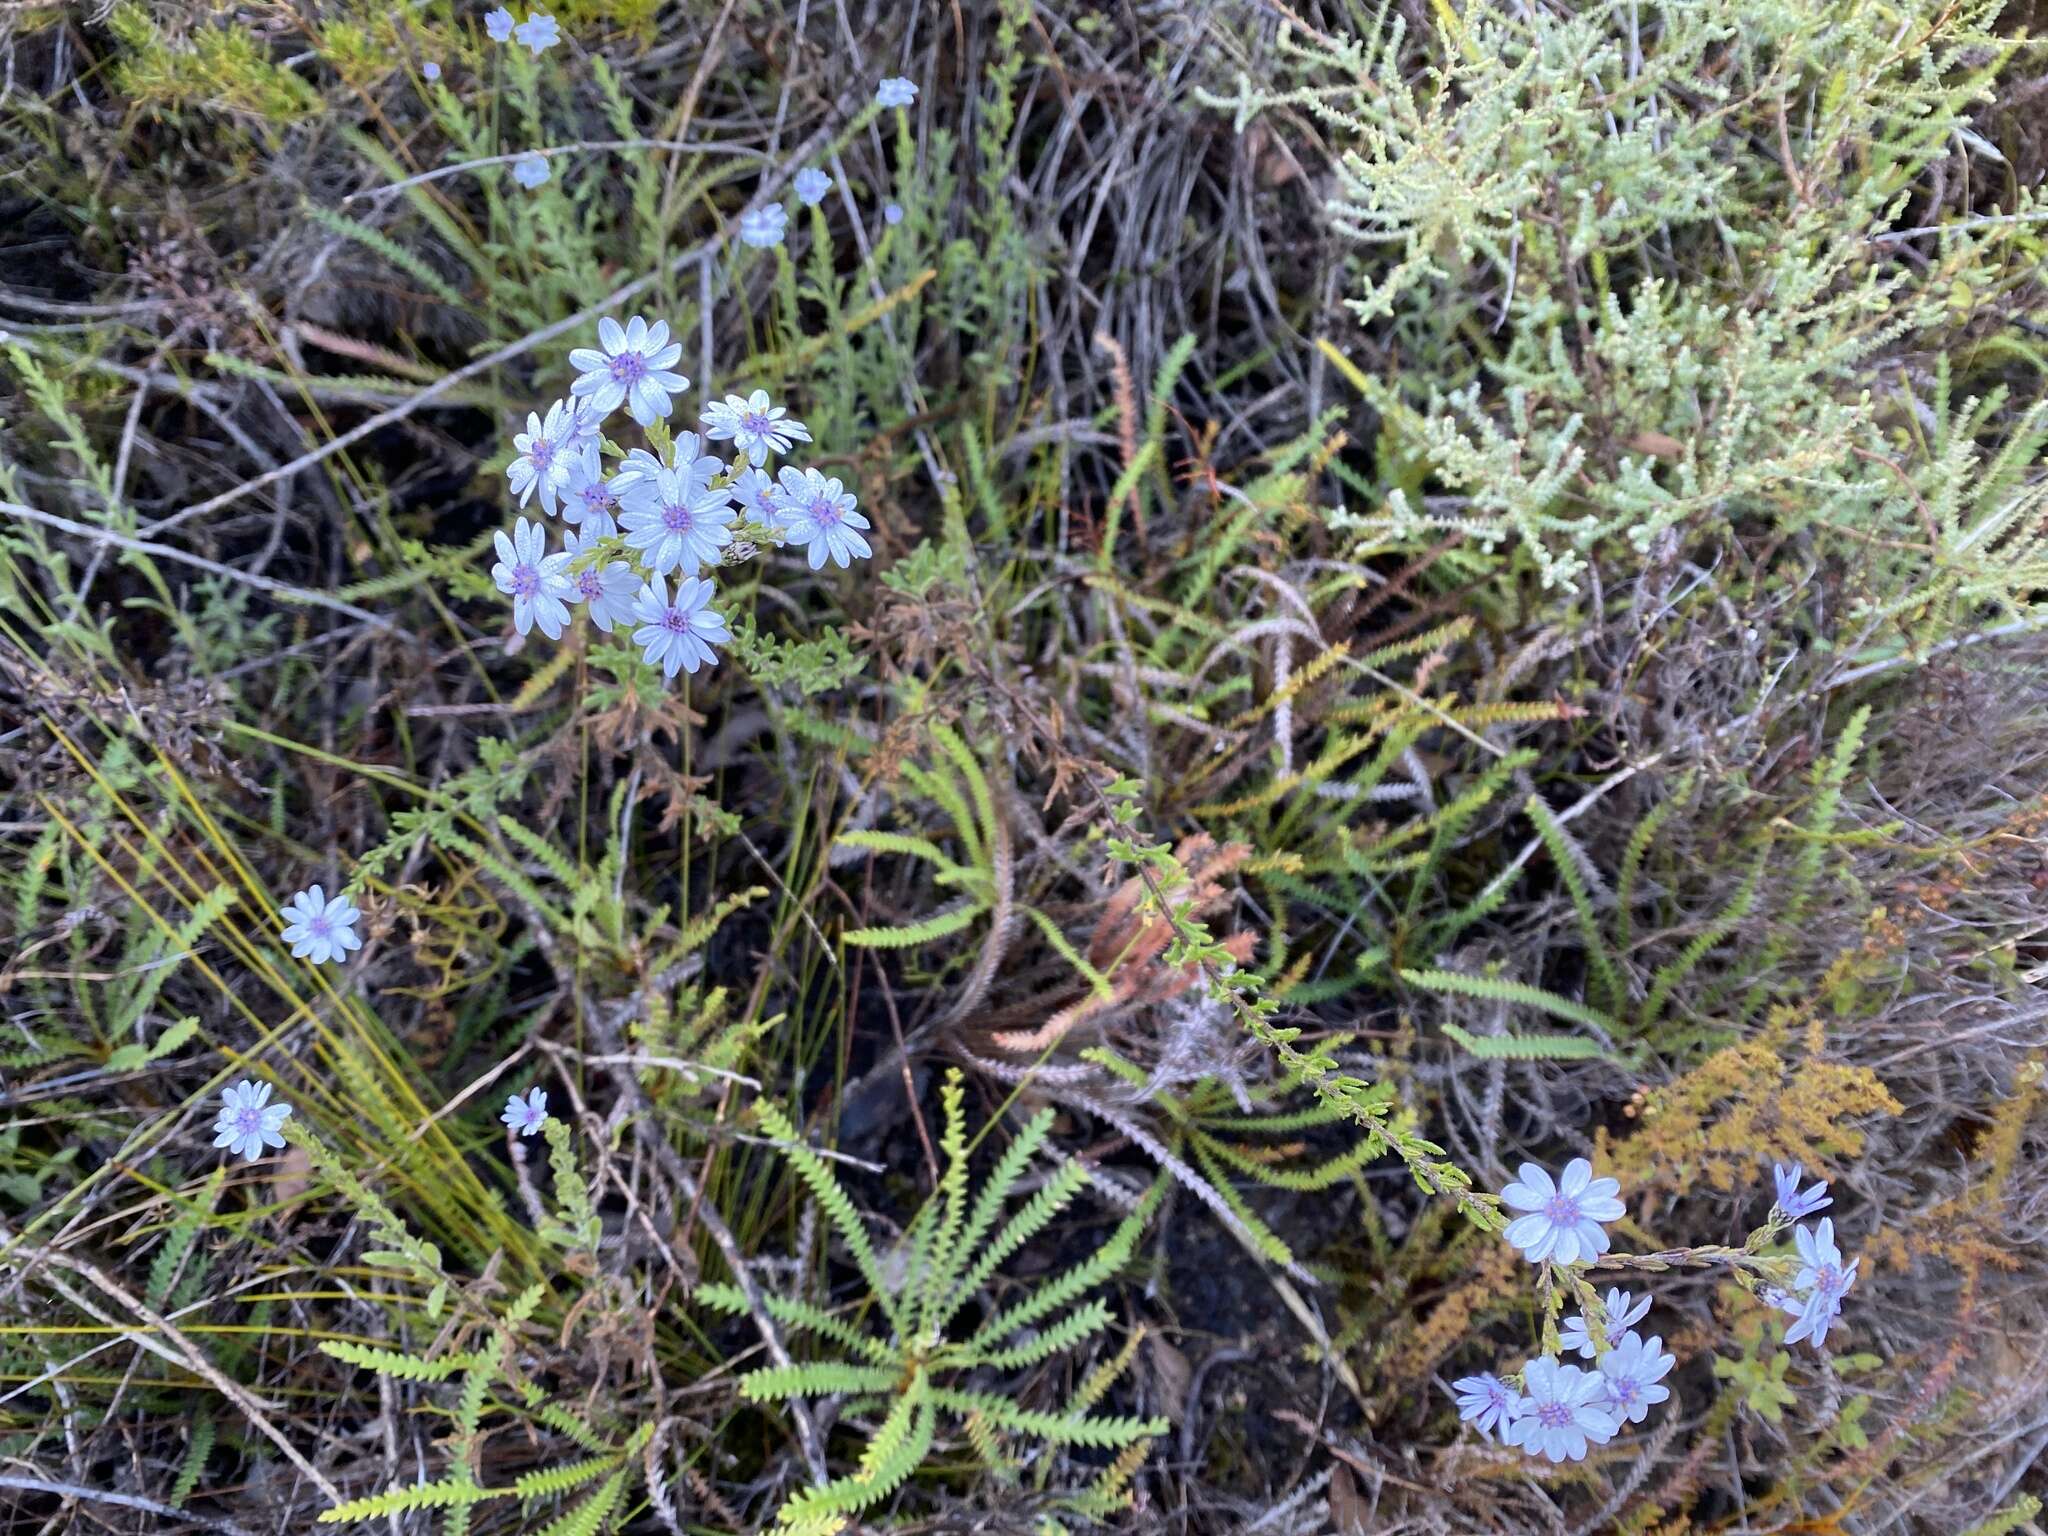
<point>919,1368</point>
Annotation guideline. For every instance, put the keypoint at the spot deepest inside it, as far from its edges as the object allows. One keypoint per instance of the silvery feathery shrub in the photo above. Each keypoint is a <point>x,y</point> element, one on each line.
<point>651,525</point>
<point>1573,181</point>
<point>1558,1411</point>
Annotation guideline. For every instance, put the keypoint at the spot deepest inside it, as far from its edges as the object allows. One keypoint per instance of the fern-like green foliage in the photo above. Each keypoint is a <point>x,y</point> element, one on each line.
<point>169,1280</point>
<point>197,1449</point>
<point>1516,1047</point>
<point>577,1224</point>
<point>1621,1002</point>
<point>922,1365</point>
<point>1512,993</point>
<point>956,784</point>
<point>482,1375</point>
<point>395,1363</point>
<point>403,1250</point>
<point>120,1000</point>
<point>441,1494</point>
<point>1373,1105</point>
<point>2018,1513</point>
<point>1212,1135</point>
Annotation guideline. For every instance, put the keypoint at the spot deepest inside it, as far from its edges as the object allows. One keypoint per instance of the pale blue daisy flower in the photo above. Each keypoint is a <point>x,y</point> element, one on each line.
<point>499,24</point>
<point>1561,1413</point>
<point>754,426</point>
<point>590,495</point>
<point>1564,1217</point>
<point>248,1122</point>
<point>551,452</point>
<point>531,169</point>
<point>606,588</point>
<point>674,523</point>
<point>691,462</point>
<point>1485,1401</point>
<point>527,1115</point>
<point>637,465</point>
<point>1823,1280</point>
<point>816,510</point>
<point>764,226</point>
<point>1797,1204</point>
<point>1820,1260</point>
<point>596,528</point>
<point>1622,1312</point>
<point>895,92</point>
<point>320,928</point>
<point>810,185</point>
<point>538,32</point>
<point>584,436</point>
<point>536,581</point>
<point>1630,1374</point>
<point>632,370</point>
<point>694,460</point>
<point>892,214</point>
<point>758,498</point>
<point>431,70</point>
<point>683,634</point>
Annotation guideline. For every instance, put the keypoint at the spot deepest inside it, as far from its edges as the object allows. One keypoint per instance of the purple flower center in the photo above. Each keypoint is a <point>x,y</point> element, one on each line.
<point>249,1120</point>
<point>825,512</point>
<point>1827,1281</point>
<point>756,423</point>
<point>1553,1415</point>
<point>596,497</point>
<point>1623,1389</point>
<point>590,584</point>
<point>1561,1210</point>
<point>542,453</point>
<point>676,621</point>
<point>676,518</point>
<point>628,368</point>
<point>525,583</point>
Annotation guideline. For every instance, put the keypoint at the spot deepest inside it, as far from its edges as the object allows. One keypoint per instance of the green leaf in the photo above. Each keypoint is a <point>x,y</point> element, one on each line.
<point>1513,993</point>
<point>586,1517</point>
<point>445,1494</point>
<point>387,1362</point>
<point>817,1378</point>
<point>1514,1047</point>
<point>932,928</point>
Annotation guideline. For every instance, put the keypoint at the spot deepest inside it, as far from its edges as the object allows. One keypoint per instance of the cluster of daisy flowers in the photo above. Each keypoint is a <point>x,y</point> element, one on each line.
<point>250,1121</point>
<point>676,512</point>
<point>764,227</point>
<point>538,33</point>
<point>760,228</point>
<point>1557,1410</point>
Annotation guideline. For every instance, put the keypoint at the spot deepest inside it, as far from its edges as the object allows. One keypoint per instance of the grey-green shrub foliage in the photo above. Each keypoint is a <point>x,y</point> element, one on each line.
<point>1647,261</point>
